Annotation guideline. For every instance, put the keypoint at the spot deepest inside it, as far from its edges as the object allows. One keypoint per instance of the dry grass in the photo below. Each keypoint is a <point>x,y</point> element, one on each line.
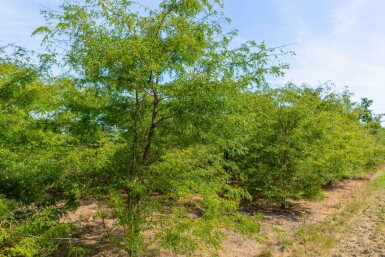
<point>308,229</point>
<point>325,238</point>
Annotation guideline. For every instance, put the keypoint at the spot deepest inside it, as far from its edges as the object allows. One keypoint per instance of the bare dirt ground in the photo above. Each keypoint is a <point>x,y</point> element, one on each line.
<point>367,238</point>
<point>280,225</point>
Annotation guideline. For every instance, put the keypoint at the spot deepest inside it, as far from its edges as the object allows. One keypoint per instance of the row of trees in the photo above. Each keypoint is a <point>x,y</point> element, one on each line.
<point>303,138</point>
<point>159,117</point>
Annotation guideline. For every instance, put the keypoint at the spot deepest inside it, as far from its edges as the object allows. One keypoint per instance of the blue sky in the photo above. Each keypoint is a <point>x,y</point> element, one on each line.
<point>339,41</point>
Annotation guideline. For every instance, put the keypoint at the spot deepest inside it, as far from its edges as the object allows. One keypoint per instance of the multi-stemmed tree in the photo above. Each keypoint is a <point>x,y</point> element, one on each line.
<point>158,82</point>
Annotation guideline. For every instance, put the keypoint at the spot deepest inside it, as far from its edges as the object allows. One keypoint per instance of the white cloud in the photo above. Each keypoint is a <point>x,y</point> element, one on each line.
<point>351,53</point>
<point>341,41</point>
<point>346,15</point>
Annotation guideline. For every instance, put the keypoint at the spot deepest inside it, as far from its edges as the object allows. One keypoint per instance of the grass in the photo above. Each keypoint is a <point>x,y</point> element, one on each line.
<point>319,239</point>
<point>378,183</point>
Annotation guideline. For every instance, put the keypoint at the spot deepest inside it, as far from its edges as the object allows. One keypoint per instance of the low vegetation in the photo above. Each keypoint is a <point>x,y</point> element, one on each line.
<point>357,219</point>
<point>160,119</point>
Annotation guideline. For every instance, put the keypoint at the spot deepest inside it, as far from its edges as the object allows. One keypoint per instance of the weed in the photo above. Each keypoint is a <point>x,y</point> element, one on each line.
<point>266,253</point>
<point>378,182</point>
<point>284,240</point>
<point>77,251</point>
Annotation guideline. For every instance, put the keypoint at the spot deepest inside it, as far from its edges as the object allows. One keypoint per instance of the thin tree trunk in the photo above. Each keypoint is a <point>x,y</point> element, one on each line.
<point>151,131</point>
<point>131,200</point>
<point>154,122</point>
<point>136,137</point>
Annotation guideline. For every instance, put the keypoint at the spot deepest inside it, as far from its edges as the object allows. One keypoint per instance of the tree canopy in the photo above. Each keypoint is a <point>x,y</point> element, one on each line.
<point>161,119</point>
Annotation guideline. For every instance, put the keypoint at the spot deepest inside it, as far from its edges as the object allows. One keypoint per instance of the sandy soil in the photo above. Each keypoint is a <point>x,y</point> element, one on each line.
<point>366,236</point>
<point>276,226</point>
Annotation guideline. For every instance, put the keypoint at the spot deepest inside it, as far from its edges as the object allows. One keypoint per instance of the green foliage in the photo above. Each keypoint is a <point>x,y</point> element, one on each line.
<point>77,251</point>
<point>249,225</point>
<point>199,202</point>
<point>30,169</point>
<point>29,232</point>
<point>378,182</point>
<point>301,139</point>
<point>160,119</point>
<point>151,94</point>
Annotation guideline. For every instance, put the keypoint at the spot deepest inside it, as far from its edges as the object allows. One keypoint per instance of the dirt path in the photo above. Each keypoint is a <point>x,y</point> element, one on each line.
<point>366,236</point>
<point>280,226</point>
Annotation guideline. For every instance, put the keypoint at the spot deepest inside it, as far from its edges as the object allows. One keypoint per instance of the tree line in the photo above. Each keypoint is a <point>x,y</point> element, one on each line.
<point>157,116</point>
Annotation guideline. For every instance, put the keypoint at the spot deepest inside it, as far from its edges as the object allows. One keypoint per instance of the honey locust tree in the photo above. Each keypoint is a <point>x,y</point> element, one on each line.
<point>26,100</point>
<point>301,138</point>
<point>165,78</point>
<point>31,177</point>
